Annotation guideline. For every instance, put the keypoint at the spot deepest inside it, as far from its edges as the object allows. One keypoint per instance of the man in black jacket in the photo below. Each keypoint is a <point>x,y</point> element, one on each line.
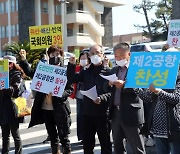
<point>126,108</point>
<point>95,113</point>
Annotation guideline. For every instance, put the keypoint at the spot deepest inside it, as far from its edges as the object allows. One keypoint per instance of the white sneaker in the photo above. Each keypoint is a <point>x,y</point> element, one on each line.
<point>150,142</point>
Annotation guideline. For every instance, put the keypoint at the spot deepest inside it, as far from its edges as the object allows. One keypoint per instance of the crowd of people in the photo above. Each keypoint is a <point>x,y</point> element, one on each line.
<point>130,113</point>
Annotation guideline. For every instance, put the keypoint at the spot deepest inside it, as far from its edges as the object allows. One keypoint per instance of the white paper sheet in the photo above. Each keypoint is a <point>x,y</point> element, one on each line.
<point>91,93</point>
<point>111,78</point>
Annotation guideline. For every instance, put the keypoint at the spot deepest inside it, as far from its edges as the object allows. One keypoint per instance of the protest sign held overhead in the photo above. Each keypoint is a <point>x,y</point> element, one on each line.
<point>46,35</point>
<point>174,33</point>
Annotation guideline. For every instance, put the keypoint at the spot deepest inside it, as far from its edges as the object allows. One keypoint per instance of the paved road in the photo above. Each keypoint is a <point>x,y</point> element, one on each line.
<point>32,138</point>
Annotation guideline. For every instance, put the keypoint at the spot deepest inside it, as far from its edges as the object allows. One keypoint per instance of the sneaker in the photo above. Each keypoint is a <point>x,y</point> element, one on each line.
<point>145,140</point>
<point>47,140</point>
<point>150,142</point>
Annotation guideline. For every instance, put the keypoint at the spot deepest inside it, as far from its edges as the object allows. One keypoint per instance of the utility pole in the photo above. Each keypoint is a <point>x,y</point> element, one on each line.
<point>64,25</point>
<point>9,22</point>
<point>176,10</point>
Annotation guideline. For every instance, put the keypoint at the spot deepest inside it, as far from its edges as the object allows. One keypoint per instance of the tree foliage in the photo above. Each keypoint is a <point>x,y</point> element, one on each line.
<point>156,29</point>
<point>32,55</point>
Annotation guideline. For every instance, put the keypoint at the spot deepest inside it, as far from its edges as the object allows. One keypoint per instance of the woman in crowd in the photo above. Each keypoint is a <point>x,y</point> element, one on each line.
<point>8,120</point>
<point>84,62</point>
<point>51,110</point>
<point>164,117</point>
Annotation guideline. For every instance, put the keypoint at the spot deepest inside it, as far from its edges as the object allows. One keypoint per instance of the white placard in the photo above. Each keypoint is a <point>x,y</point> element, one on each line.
<point>49,78</point>
<point>174,33</point>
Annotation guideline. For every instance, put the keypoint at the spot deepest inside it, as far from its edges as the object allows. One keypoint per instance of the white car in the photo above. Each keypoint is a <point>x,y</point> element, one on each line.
<point>148,47</point>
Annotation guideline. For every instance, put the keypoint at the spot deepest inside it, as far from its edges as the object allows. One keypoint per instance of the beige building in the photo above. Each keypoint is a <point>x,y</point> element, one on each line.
<point>130,38</point>
<point>82,19</point>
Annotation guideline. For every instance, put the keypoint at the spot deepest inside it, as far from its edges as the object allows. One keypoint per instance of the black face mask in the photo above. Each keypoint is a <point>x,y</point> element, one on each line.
<point>55,61</point>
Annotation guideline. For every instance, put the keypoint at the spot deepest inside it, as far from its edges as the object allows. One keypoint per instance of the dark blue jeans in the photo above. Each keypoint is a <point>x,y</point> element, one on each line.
<point>14,129</point>
<point>79,118</point>
<point>163,146</point>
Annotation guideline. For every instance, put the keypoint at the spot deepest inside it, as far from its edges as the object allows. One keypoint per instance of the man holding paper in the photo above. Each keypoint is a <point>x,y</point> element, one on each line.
<point>126,109</point>
<point>96,99</point>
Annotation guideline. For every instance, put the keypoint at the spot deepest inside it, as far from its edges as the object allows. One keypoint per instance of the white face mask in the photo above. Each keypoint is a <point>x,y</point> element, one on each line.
<point>122,62</point>
<point>96,59</point>
<point>83,62</point>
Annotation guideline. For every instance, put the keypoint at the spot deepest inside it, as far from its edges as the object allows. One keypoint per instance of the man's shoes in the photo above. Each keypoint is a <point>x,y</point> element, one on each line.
<point>47,140</point>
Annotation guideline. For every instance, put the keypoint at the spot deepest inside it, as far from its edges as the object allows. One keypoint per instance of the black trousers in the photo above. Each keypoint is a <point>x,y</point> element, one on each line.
<point>101,126</point>
<point>79,118</point>
<point>14,129</point>
<point>55,132</point>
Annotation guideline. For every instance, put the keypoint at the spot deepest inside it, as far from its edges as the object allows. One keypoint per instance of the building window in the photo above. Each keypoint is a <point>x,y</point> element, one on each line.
<point>13,30</point>
<point>81,29</point>
<point>17,30</point>
<point>12,4</point>
<point>58,9</point>
<point>16,5</point>
<point>2,31</point>
<point>80,6</point>
<point>2,7</point>
<point>69,32</point>
<point>6,3</point>
<point>70,7</point>
<point>45,7</point>
<point>7,31</point>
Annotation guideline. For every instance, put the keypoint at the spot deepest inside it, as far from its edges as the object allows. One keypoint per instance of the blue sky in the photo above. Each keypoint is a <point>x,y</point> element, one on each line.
<point>124,18</point>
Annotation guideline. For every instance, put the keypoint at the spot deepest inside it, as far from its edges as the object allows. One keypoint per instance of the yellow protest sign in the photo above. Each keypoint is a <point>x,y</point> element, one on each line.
<point>46,35</point>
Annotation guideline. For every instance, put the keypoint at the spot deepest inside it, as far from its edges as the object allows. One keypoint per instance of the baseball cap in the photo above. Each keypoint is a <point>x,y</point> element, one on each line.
<point>10,58</point>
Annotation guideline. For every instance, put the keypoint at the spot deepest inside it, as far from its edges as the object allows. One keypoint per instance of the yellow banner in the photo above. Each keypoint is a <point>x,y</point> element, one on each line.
<point>46,35</point>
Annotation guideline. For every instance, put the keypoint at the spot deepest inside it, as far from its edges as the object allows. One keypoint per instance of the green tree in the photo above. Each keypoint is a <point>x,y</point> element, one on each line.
<point>144,8</point>
<point>159,26</point>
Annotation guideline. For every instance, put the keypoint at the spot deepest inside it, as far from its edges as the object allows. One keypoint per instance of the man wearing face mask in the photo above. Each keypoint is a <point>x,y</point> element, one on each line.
<point>126,108</point>
<point>94,113</point>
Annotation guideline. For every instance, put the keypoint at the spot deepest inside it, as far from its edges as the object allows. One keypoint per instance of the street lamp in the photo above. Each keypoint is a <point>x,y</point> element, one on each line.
<point>63,22</point>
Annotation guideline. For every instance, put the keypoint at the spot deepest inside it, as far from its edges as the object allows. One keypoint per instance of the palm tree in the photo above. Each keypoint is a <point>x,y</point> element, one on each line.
<point>14,48</point>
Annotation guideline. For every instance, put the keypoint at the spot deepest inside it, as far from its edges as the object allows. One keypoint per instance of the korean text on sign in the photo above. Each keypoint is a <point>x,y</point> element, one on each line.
<point>174,33</point>
<point>44,36</point>
<point>4,74</point>
<point>159,68</point>
<point>49,78</point>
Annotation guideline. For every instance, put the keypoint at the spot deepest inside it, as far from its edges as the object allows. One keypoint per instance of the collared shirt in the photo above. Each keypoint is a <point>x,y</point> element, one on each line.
<point>121,76</point>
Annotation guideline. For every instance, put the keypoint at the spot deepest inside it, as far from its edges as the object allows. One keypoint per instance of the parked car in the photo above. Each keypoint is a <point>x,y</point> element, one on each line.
<point>148,47</point>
